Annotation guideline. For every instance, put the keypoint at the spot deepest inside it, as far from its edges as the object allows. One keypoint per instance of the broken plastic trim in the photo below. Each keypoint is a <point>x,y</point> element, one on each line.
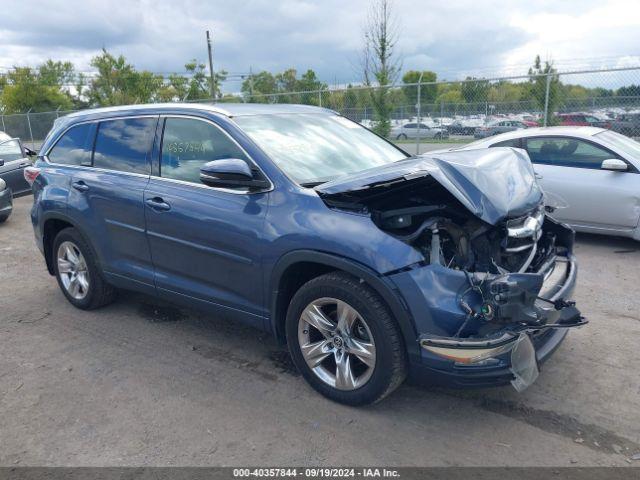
<point>474,350</point>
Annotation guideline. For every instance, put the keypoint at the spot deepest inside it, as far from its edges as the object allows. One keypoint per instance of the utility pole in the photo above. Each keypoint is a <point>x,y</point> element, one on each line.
<point>213,88</point>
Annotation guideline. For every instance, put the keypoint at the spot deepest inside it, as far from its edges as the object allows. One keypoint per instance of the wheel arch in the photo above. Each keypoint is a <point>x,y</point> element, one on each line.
<point>296,268</point>
<point>51,226</point>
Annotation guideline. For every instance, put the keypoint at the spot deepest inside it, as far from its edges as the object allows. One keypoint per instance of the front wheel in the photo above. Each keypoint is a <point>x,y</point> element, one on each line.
<point>344,340</point>
<point>402,136</point>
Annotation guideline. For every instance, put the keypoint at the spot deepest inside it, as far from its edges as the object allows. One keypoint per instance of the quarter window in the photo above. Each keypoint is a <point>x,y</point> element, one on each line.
<point>566,151</point>
<point>188,143</point>
<point>74,147</point>
<point>124,144</point>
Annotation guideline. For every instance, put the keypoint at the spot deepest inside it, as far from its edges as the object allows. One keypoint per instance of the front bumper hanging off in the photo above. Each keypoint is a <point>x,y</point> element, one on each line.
<point>535,314</point>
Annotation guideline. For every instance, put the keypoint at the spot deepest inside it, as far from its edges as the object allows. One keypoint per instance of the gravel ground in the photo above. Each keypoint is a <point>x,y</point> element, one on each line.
<point>143,383</point>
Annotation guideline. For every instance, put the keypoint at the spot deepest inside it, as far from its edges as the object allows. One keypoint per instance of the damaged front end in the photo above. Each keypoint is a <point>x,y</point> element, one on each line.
<point>497,273</point>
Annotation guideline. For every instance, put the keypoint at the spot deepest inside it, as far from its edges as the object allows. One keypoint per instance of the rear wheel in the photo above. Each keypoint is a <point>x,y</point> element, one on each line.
<point>4,218</point>
<point>77,271</point>
<point>344,341</point>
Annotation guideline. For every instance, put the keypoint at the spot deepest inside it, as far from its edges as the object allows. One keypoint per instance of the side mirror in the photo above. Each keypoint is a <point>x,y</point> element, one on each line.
<point>614,164</point>
<point>29,152</point>
<point>230,173</point>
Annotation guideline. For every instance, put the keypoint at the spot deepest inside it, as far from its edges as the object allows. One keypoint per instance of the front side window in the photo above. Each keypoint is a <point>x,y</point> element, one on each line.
<point>10,150</point>
<point>566,151</point>
<point>313,148</point>
<point>124,144</point>
<point>74,147</point>
<point>188,143</point>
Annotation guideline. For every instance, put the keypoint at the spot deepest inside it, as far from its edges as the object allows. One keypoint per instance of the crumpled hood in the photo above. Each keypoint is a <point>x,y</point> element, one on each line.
<point>493,183</point>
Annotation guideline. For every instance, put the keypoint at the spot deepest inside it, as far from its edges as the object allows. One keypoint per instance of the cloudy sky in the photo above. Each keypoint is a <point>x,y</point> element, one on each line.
<point>454,38</point>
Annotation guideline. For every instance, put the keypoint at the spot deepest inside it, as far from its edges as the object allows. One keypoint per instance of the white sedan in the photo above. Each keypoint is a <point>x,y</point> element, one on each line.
<point>596,172</point>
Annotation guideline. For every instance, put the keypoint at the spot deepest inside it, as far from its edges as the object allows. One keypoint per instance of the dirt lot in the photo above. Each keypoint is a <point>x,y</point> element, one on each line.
<point>141,383</point>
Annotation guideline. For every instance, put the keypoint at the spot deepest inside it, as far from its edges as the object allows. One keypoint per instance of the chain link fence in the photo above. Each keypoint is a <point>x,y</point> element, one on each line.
<point>448,111</point>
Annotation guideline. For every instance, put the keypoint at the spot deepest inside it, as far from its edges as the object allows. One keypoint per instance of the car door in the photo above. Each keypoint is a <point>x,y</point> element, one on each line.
<point>12,163</point>
<point>410,129</point>
<point>106,198</point>
<point>596,199</point>
<point>206,242</point>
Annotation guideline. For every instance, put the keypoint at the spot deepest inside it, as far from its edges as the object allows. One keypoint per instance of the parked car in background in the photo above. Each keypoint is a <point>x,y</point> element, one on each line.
<point>464,126</point>
<point>627,124</point>
<point>369,263</point>
<point>6,201</point>
<point>413,130</point>
<point>14,157</point>
<point>498,126</point>
<point>594,171</point>
<point>582,120</point>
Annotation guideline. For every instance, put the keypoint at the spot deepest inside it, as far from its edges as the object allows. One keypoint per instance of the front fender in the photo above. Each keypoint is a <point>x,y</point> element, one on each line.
<point>381,284</point>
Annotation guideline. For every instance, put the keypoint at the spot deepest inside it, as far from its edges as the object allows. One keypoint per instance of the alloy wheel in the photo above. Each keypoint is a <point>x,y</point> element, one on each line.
<point>336,343</point>
<point>72,269</point>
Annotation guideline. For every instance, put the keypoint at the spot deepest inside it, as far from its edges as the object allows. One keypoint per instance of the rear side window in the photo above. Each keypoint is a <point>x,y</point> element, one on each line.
<point>124,144</point>
<point>74,147</point>
<point>187,144</point>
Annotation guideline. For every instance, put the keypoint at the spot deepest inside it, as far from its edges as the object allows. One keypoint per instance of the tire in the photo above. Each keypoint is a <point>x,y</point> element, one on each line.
<point>438,136</point>
<point>373,331</point>
<point>95,292</point>
<point>402,136</point>
<point>4,218</point>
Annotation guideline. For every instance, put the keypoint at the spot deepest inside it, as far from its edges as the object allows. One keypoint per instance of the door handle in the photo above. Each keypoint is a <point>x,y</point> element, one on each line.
<point>80,186</point>
<point>158,204</point>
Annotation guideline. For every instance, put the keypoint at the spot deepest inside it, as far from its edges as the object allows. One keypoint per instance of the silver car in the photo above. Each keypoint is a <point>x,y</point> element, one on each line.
<point>594,172</point>
<point>413,130</point>
<point>498,126</point>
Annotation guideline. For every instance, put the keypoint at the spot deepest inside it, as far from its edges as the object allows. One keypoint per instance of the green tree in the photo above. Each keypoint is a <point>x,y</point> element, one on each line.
<point>427,92</point>
<point>538,75</point>
<point>380,64</point>
<point>256,87</point>
<point>310,84</point>
<point>27,89</point>
<point>118,83</point>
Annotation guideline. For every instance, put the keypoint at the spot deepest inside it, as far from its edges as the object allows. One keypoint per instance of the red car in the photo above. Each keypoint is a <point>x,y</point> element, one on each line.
<point>582,119</point>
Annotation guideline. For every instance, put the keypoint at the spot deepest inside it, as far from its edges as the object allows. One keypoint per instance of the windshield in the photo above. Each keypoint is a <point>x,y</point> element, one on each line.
<point>314,148</point>
<point>629,146</point>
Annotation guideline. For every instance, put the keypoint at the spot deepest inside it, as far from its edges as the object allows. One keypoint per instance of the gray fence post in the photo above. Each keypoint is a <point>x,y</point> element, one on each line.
<point>33,144</point>
<point>4,129</point>
<point>546,100</point>
<point>418,107</point>
<point>320,97</point>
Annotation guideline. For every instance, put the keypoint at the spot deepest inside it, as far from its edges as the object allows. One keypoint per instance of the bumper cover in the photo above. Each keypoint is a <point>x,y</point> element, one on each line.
<point>546,322</point>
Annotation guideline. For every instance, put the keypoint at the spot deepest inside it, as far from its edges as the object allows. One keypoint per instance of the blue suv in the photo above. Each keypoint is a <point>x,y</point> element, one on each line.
<point>370,264</point>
